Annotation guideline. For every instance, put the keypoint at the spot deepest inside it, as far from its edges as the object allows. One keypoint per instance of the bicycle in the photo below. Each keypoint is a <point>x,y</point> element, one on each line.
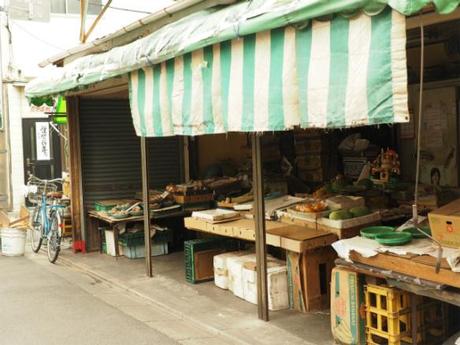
<point>46,222</point>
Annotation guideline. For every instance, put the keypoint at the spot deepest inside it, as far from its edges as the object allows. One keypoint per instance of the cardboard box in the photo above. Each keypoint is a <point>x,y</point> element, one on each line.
<point>204,268</point>
<point>347,307</point>
<point>445,224</point>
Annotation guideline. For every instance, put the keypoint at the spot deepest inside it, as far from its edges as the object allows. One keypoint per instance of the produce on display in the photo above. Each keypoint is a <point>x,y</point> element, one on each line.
<point>340,215</point>
<point>316,206</point>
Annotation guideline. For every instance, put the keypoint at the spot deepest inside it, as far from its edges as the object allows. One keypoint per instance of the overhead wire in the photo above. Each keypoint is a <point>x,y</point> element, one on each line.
<point>38,38</point>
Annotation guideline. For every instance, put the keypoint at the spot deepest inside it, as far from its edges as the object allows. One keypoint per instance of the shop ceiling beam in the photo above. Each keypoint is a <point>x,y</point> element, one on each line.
<point>146,206</point>
<point>136,30</point>
<point>431,18</point>
<point>96,21</point>
<point>259,217</point>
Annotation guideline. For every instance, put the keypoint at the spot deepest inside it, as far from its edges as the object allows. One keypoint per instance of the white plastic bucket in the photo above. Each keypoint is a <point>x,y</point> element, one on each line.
<point>13,242</point>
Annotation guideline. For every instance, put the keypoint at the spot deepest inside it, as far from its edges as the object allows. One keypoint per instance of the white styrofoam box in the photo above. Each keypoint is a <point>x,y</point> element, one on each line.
<point>235,273</point>
<point>221,278</point>
<point>350,223</point>
<point>277,284</point>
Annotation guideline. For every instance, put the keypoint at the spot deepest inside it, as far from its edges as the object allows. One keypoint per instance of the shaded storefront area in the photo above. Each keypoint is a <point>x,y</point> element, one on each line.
<point>226,89</point>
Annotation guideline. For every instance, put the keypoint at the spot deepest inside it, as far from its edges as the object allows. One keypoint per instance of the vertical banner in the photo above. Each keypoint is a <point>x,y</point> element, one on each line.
<point>42,136</point>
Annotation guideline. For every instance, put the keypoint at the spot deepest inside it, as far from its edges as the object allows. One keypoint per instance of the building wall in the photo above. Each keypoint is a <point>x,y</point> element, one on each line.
<point>24,45</point>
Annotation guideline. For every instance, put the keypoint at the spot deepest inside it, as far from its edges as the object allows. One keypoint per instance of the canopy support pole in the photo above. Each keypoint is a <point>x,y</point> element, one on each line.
<point>146,207</point>
<point>259,216</point>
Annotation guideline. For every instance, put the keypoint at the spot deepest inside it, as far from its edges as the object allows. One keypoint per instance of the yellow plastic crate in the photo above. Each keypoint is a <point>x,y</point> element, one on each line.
<point>388,316</point>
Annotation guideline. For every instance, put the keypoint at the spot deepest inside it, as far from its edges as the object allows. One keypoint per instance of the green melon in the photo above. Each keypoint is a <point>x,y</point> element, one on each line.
<point>340,215</point>
<point>359,211</point>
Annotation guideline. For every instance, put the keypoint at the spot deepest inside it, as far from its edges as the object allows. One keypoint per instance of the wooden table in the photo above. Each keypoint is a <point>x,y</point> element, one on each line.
<point>310,258</point>
<point>422,267</point>
<point>291,237</point>
<point>95,219</point>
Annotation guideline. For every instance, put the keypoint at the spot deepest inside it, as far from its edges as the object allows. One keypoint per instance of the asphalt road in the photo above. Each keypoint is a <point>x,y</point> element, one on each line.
<point>45,304</point>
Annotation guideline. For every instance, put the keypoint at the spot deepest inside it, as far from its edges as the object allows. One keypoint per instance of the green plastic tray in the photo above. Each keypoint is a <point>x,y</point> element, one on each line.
<point>417,234</point>
<point>372,231</point>
<point>394,238</point>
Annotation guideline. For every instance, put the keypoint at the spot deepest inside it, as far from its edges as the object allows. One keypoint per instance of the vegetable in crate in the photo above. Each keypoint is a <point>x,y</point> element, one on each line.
<point>317,206</point>
<point>340,215</point>
<point>359,211</point>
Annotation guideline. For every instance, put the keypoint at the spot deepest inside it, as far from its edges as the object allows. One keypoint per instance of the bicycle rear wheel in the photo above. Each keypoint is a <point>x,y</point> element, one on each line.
<point>36,229</point>
<point>54,237</point>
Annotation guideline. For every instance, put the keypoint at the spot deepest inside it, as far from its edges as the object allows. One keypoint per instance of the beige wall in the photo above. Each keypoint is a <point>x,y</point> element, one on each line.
<point>215,148</point>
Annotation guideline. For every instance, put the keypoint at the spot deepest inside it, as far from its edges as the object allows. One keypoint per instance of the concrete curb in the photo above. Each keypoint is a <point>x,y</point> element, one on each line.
<point>118,284</point>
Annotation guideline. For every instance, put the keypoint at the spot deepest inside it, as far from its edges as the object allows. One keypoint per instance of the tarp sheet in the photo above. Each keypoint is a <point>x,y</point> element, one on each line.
<point>209,27</point>
<point>331,74</point>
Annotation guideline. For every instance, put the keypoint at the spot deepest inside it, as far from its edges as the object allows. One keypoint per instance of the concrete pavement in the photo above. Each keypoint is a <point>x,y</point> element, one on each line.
<point>203,305</point>
<point>49,304</point>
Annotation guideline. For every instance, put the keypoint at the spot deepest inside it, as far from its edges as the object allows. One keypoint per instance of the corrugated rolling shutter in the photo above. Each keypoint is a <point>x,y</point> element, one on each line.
<point>110,153</point>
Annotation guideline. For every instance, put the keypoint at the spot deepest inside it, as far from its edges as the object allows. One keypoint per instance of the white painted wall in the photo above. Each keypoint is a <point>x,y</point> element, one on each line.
<point>32,42</point>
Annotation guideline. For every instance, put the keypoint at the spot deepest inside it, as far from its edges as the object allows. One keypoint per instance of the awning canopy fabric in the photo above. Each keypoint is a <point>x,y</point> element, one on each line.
<point>331,74</point>
<point>210,27</point>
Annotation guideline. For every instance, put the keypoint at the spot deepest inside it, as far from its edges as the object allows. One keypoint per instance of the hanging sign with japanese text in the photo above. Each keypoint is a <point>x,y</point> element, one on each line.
<point>42,135</point>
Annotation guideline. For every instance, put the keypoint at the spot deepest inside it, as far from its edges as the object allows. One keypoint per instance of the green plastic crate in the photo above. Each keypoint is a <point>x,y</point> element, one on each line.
<point>163,236</point>
<point>100,207</point>
<point>130,239</point>
<point>194,246</point>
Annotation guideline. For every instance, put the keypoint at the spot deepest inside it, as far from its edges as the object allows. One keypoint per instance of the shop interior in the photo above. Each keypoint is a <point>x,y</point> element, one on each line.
<point>362,176</point>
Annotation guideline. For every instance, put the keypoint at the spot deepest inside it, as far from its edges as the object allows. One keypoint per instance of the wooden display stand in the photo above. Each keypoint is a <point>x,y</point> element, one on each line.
<point>319,226</point>
<point>309,256</point>
<point>309,276</point>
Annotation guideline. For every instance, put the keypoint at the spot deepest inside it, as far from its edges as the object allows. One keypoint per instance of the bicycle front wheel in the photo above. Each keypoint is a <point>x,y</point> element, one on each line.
<point>36,229</point>
<point>54,237</point>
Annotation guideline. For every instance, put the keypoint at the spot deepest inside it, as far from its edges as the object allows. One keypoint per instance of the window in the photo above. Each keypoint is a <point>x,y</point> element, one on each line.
<point>73,6</point>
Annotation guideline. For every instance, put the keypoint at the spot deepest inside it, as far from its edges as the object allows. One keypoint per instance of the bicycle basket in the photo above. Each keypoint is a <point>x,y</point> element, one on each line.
<point>36,190</point>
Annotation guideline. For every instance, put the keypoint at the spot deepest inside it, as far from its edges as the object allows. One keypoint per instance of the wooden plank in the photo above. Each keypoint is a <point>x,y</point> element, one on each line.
<point>299,239</point>
<point>410,267</point>
<point>430,261</point>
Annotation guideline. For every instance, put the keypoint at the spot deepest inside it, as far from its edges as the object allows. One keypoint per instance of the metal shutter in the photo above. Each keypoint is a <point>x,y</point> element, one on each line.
<point>110,153</point>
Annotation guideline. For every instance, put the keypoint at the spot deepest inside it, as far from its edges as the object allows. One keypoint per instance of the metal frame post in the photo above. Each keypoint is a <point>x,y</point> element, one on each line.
<point>145,199</point>
<point>259,216</point>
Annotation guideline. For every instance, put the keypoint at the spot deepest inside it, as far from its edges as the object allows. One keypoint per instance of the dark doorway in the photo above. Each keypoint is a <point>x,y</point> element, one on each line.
<point>42,150</point>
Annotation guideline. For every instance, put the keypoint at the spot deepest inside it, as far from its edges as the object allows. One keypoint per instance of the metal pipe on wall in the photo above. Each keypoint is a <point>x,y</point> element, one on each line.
<point>259,216</point>
<point>146,206</point>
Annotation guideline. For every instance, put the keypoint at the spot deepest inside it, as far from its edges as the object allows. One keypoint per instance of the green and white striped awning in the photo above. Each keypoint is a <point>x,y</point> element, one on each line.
<point>331,74</point>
